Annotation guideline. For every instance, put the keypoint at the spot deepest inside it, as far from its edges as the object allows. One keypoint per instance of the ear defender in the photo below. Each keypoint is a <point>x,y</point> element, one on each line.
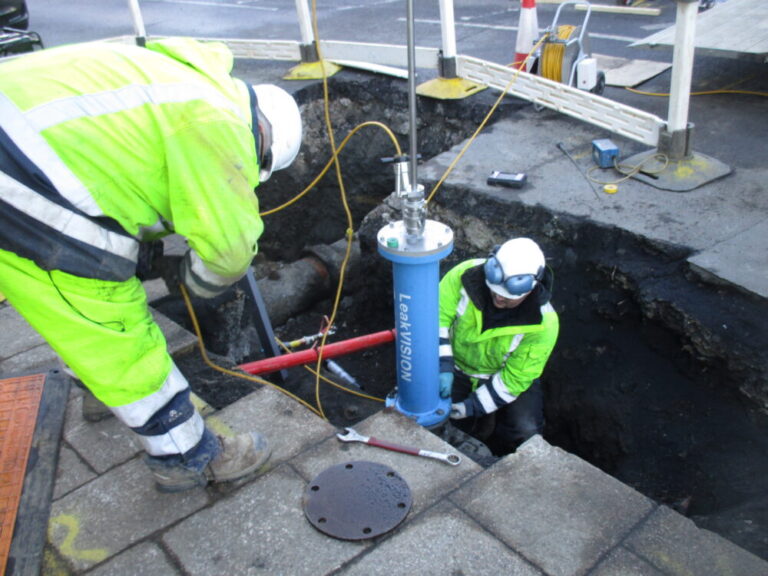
<point>513,269</point>
<point>517,285</point>
<point>493,272</point>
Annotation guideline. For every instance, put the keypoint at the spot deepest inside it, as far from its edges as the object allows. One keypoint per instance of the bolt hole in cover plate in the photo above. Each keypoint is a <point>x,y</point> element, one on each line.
<point>357,500</point>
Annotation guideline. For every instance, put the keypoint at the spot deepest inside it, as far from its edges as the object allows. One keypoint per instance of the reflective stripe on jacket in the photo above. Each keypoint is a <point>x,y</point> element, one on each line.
<point>103,145</point>
<point>509,358</point>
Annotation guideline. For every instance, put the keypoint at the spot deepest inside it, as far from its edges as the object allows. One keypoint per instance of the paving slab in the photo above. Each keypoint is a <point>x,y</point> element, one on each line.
<point>260,529</point>
<point>36,360</point>
<point>72,472</point>
<point>442,541</point>
<point>555,509</point>
<point>155,289</point>
<point>113,512</point>
<point>622,562</point>
<point>429,480</point>
<point>18,335</point>
<point>103,445</point>
<point>146,558</point>
<point>178,339</point>
<point>24,350</point>
<point>675,545</point>
<point>289,427</point>
<point>747,250</point>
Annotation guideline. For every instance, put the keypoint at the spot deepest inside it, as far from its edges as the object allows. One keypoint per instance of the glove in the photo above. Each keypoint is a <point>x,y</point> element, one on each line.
<point>149,265</point>
<point>197,286</point>
<point>446,384</point>
<point>458,411</point>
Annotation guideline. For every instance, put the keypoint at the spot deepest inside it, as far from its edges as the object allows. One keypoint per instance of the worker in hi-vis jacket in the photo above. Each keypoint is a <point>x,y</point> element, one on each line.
<point>497,331</point>
<point>103,146</point>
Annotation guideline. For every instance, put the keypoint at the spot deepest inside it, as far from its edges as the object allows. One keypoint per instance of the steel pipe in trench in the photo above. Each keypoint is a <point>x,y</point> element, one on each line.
<point>297,286</point>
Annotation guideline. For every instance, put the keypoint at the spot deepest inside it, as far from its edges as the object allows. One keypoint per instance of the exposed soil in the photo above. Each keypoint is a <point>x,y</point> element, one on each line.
<point>622,392</point>
<point>657,378</point>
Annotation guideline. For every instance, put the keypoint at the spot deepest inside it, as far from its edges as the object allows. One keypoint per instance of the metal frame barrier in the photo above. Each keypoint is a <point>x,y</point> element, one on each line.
<point>672,137</point>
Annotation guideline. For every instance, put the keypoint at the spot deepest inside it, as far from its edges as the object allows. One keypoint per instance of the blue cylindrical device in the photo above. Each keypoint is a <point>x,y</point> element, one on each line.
<point>416,272</point>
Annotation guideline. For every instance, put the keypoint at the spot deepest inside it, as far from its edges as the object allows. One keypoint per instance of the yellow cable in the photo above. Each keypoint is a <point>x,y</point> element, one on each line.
<point>330,163</point>
<point>331,382</point>
<point>552,54</point>
<point>342,191</point>
<point>472,138</point>
<point>211,364</point>
<point>350,224</point>
<point>349,234</point>
<point>629,171</point>
<point>704,93</point>
<point>251,377</point>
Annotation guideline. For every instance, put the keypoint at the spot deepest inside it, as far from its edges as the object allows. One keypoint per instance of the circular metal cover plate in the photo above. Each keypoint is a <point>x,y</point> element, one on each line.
<point>357,500</point>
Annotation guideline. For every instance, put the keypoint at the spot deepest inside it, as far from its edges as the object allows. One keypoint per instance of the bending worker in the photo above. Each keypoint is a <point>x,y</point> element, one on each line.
<point>103,146</point>
<point>497,331</point>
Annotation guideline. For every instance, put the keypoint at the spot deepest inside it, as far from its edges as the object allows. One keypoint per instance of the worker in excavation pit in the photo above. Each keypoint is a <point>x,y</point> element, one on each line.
<point>104,146</point>
<point>497,331</point>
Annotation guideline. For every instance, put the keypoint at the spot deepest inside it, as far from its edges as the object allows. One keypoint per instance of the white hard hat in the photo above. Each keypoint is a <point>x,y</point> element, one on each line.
<point>284,133</point>
<point>514,268</point>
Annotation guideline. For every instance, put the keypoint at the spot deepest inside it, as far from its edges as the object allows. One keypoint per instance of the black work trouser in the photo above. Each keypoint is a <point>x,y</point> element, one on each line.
<point>511,425</point>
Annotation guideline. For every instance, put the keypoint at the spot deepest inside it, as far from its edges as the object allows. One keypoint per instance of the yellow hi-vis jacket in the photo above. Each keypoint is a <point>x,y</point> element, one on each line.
<point>502,356</point>
<point>103,145</point>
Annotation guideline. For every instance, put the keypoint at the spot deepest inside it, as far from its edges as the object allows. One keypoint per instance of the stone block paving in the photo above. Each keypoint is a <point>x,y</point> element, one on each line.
<point>540,511</point>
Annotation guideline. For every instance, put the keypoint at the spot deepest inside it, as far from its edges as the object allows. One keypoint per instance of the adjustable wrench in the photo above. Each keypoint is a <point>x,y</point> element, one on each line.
<point>349,435</point>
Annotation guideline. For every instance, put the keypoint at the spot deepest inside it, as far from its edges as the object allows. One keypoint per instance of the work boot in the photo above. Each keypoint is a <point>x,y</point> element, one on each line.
<point>94,410</point>
<point>239,456</point>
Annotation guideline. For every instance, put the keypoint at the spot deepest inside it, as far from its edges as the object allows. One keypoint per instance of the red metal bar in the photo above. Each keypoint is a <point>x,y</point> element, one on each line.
<point>308,356</point>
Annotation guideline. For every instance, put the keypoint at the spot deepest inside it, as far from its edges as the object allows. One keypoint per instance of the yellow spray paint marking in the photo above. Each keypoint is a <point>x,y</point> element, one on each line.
<point>218,427</point>
<point>202,406</point>
<point>684,171</point>
<point>72,526</point>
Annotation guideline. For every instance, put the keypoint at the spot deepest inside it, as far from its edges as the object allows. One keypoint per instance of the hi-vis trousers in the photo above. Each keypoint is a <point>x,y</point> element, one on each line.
<point>105,333</point>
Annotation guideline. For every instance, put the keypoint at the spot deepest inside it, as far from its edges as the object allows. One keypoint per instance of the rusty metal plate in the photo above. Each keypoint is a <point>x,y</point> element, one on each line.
<point>357,500</point>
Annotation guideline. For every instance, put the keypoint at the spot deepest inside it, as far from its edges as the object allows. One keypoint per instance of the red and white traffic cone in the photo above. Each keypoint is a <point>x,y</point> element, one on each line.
<point>527,35</point>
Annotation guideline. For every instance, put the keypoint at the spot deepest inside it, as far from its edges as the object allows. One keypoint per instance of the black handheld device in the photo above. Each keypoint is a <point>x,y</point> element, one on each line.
<point>507,179</point>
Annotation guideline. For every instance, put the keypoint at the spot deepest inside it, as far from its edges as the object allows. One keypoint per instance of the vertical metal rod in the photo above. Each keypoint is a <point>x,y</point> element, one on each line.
<point>412,95</point>
<point>138,23</point>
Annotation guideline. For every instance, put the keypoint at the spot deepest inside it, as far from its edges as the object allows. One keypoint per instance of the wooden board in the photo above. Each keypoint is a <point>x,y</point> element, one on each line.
<point>624,72</point>
<point>733,29</point>
<point>19,402</point>
<point>25,557</point>
<point>612,8</point>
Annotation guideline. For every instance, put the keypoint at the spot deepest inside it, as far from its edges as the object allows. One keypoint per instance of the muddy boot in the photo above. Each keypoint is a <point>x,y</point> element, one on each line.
<point>238,457</point>
<point>94,410</point>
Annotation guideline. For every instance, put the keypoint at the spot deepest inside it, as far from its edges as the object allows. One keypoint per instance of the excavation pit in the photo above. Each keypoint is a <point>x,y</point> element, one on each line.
<point>658,377</point>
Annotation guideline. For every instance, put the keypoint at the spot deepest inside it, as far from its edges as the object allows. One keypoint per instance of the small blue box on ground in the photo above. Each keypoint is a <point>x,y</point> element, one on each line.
<point>604,153</point>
